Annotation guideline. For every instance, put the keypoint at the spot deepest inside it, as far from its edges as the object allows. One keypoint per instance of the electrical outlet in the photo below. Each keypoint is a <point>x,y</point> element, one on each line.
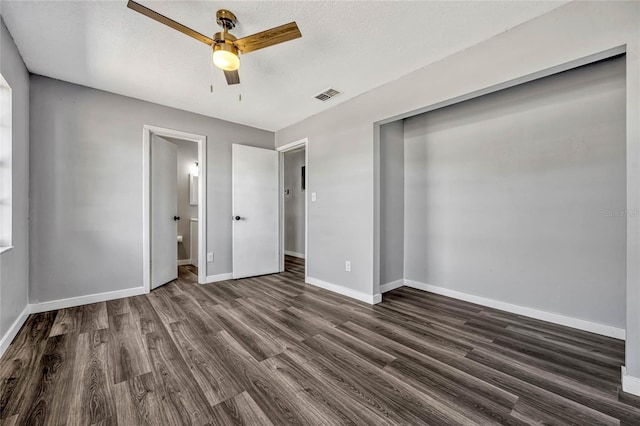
<point>209,257</point>
<point>313,196</point>
<point>347,266</point>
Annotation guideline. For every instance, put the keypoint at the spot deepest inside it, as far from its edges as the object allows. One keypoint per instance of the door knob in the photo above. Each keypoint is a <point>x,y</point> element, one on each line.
<point>237,218</point>
<point>176,218</point>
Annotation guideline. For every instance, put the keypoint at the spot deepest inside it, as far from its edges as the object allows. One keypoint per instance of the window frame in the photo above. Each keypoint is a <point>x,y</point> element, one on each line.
<point>6,166</point>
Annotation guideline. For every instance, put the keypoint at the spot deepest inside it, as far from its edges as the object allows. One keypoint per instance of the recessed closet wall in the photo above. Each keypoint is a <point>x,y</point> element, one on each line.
<point>518,196</point>
<point>391,202</point>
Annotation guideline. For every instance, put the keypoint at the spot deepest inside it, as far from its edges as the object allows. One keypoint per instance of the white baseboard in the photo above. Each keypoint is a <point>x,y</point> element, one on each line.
<point>354,294</point>
<point>85,300</point>
<point>13,330</point>
<point>219,277</point>
<point>391,286</point>
<point>184,262</point>
<point>630,384</point>
<point>604,330</point>
<point>294,254</point>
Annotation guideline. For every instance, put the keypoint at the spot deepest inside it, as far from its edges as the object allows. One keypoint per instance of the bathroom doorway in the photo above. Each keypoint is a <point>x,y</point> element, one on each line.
<point>293,207</point>
<point>174,206</point>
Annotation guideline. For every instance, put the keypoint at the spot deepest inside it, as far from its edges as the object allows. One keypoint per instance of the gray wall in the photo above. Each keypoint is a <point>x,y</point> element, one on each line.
<point>341,139</point>
<point>391,202</point>
<point>294,202</point>
<point>519,196</point>
<point>187,156</point>
<point>340,224</point>
<point>86,186</point>
<point>14,264</point>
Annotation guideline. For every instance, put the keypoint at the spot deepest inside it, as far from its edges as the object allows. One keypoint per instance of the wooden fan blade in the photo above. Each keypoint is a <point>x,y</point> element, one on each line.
<point>268,38</point>
<point>169,22</point>
<point>232,77</point>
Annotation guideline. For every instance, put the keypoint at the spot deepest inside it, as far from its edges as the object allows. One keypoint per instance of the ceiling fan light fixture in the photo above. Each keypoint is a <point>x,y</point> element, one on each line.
<point>225,57</point>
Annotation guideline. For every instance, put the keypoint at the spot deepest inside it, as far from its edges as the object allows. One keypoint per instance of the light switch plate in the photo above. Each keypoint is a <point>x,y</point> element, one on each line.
<point>209,257</point>
<point>313,196</point>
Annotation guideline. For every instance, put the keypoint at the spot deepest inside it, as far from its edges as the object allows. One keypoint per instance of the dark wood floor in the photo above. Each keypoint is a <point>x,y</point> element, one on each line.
<point>271,350</point>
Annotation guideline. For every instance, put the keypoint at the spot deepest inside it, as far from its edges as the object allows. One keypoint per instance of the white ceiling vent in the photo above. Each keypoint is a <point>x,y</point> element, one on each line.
<point>325,95</point>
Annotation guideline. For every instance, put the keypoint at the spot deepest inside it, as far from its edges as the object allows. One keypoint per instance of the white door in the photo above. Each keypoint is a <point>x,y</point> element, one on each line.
<point>255,211</point>
<point>164,212</point>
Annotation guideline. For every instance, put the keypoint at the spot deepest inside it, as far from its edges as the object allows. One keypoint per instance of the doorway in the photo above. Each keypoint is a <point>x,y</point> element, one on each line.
<point>174,204</point>
<point>294,207</point>
<point>188,168</point>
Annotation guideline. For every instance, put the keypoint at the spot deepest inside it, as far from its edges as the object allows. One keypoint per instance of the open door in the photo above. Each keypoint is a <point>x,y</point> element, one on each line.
<point>164,211</point>
<point>255,211</point>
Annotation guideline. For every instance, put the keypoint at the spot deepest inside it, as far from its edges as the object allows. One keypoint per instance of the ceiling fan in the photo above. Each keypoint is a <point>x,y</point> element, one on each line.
<point>224,45</point>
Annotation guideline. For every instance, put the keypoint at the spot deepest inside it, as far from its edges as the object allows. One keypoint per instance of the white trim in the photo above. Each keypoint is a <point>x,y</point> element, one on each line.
<point>354,294</point>
<point>377,230</point>
<point>5,249</point>
<point>6,158</point>
<point>580,324</point>
<point>630,384</point>
<point>219,277</point>
<point>184,262</point>
<point>86,300</point>
<point>294,254</point>
<point>201,140</point>
<point>391,286</point>
<point>292,145</point>
<point>304,142</point>
<point>14,329</point>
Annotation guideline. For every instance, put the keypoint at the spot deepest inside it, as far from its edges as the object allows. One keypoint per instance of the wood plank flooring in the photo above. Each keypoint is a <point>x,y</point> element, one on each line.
<point>272,350</point>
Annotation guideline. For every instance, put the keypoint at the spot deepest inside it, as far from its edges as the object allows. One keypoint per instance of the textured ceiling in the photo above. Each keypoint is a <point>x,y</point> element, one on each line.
<point>351,46</point>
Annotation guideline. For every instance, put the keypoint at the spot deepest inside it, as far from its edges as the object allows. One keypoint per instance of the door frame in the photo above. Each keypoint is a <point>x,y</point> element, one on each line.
<point>281,150</point>
<point>147,132</point>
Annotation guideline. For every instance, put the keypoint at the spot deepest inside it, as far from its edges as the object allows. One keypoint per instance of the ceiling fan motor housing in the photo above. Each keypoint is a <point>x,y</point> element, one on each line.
<point>224,41</point>
<point>226,46</point>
